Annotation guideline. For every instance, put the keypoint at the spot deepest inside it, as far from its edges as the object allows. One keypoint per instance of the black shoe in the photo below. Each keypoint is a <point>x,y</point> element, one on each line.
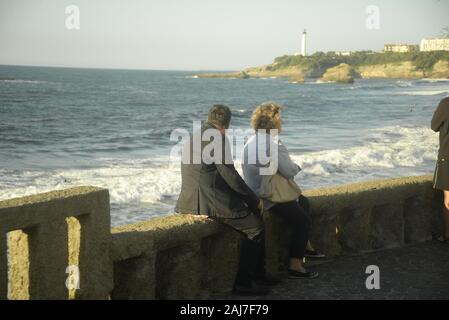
<point>292,274</point>
<point>314,254</point>
<point>254,290</point>
<point>267,280</point>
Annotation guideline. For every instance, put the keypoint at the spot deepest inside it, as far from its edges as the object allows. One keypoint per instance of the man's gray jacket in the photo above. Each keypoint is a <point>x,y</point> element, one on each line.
<point>213,187</point>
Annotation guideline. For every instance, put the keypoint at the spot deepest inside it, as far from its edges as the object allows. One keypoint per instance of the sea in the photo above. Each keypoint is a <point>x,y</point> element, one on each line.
<point>66,127</point>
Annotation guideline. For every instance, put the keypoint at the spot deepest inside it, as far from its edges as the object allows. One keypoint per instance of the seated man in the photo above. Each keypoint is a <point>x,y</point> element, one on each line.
<point>211,186</point>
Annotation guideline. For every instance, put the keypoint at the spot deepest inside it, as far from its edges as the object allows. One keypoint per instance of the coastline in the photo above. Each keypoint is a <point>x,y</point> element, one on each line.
<point>338,72</point>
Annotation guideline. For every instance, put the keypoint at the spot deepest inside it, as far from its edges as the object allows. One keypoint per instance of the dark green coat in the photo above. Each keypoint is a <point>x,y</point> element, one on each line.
<point>440,123</point>
<point>213,189</point>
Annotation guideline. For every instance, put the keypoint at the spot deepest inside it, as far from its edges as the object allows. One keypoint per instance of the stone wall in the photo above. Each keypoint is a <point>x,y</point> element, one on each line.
<point>193,257</point>
<point>52,237</point>
<point>359,218</point>
<point>184,256</point>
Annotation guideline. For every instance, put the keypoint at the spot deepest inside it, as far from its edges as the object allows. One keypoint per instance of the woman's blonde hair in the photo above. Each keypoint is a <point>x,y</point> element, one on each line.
<point>267,116</point>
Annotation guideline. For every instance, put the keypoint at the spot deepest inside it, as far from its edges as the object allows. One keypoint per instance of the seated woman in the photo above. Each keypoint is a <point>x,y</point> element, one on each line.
<point>266,120</point>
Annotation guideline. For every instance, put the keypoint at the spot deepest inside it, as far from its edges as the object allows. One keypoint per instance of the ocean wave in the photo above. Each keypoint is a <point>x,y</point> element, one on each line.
<point>322,82</point>
<point>389,148</point>
<point>153,184</point>
<point>128,182</point>
<point>433,80</point>
<point>425,93</point>
<point>17,81</point>
<point>404,84</point>
<point>138,90</point>
<point>351,88</point>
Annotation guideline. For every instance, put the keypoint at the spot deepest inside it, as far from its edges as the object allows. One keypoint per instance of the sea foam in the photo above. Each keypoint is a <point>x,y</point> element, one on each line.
<point>388,151</point>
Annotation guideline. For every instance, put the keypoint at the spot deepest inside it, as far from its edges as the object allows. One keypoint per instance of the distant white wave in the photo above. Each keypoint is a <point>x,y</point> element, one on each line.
<point>424,93</point>
<point>404,84</point>
<point>17,81</point>
<point>322,82</point>
<point>139,90</point>
<point>351,88</point>
<point>433,80</point>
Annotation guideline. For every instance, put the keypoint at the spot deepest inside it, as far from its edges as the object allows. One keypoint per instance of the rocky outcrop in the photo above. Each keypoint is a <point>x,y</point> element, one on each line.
<point>440,70</point>
<point>402,70</point>
<point>342,73</point>
<point>299,78</point>
<point>232,75</point>
<point>294,74</point>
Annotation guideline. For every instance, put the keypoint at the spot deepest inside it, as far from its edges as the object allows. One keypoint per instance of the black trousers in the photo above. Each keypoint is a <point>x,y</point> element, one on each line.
<point>297,214</point>
<point>252,247</point>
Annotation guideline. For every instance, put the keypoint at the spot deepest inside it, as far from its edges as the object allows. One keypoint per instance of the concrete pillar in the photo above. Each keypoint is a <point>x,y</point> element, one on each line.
<point>3,267</point>
<point>48,260</point>
<point>355,229</point>
<point>387,223</point>
<point>135,278</point>
<point>95,263</point>
<point>417,220</point>
<point>178,272</point>
<point>218,274</point>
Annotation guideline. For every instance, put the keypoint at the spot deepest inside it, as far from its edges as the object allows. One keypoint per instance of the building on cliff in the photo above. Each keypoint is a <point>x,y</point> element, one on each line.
<point>400,47</point>
<point>441,44</point>
<point>343,53</point>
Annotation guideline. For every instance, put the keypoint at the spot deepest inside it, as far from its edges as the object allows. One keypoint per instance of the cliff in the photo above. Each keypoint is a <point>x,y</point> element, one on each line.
<point>342,73</point>
<point>231,75</point>
<point>403,70</point>
<point>440,70</point>
<point>330,67</point>
<point>294,74</point>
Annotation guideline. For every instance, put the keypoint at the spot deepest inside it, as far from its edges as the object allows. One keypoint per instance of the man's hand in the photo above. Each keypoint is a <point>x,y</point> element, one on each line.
<point>260,205</point>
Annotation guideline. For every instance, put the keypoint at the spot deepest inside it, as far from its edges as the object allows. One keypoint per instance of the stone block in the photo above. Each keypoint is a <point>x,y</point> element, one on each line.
<point>219,262</point>
<point>3,267</point>
<point>355,229</point>
<point>135,278</point>
<point>43,218</point>
<point>387,225</point>
<point>324,233</point>
<point>178,272</point>
<point>417,220</point>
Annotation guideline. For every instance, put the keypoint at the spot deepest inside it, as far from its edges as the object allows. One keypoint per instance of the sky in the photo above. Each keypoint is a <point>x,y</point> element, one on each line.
<point>204,34</point>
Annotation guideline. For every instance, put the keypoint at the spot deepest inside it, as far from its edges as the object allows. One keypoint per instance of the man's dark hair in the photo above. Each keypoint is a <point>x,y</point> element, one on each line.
<point>220,115</point>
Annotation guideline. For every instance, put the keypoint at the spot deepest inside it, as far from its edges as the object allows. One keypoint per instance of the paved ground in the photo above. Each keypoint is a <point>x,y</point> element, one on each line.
<point>415,272</point>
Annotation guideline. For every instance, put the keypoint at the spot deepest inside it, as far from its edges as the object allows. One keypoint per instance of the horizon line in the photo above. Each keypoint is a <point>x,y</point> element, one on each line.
<point>118,68</point>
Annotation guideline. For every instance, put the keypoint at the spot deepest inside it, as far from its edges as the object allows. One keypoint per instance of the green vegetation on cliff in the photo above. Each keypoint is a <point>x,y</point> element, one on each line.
<point>423,61</point>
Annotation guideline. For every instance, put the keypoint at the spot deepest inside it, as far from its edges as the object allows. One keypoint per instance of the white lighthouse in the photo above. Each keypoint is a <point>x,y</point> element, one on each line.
<point>304,44</point>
